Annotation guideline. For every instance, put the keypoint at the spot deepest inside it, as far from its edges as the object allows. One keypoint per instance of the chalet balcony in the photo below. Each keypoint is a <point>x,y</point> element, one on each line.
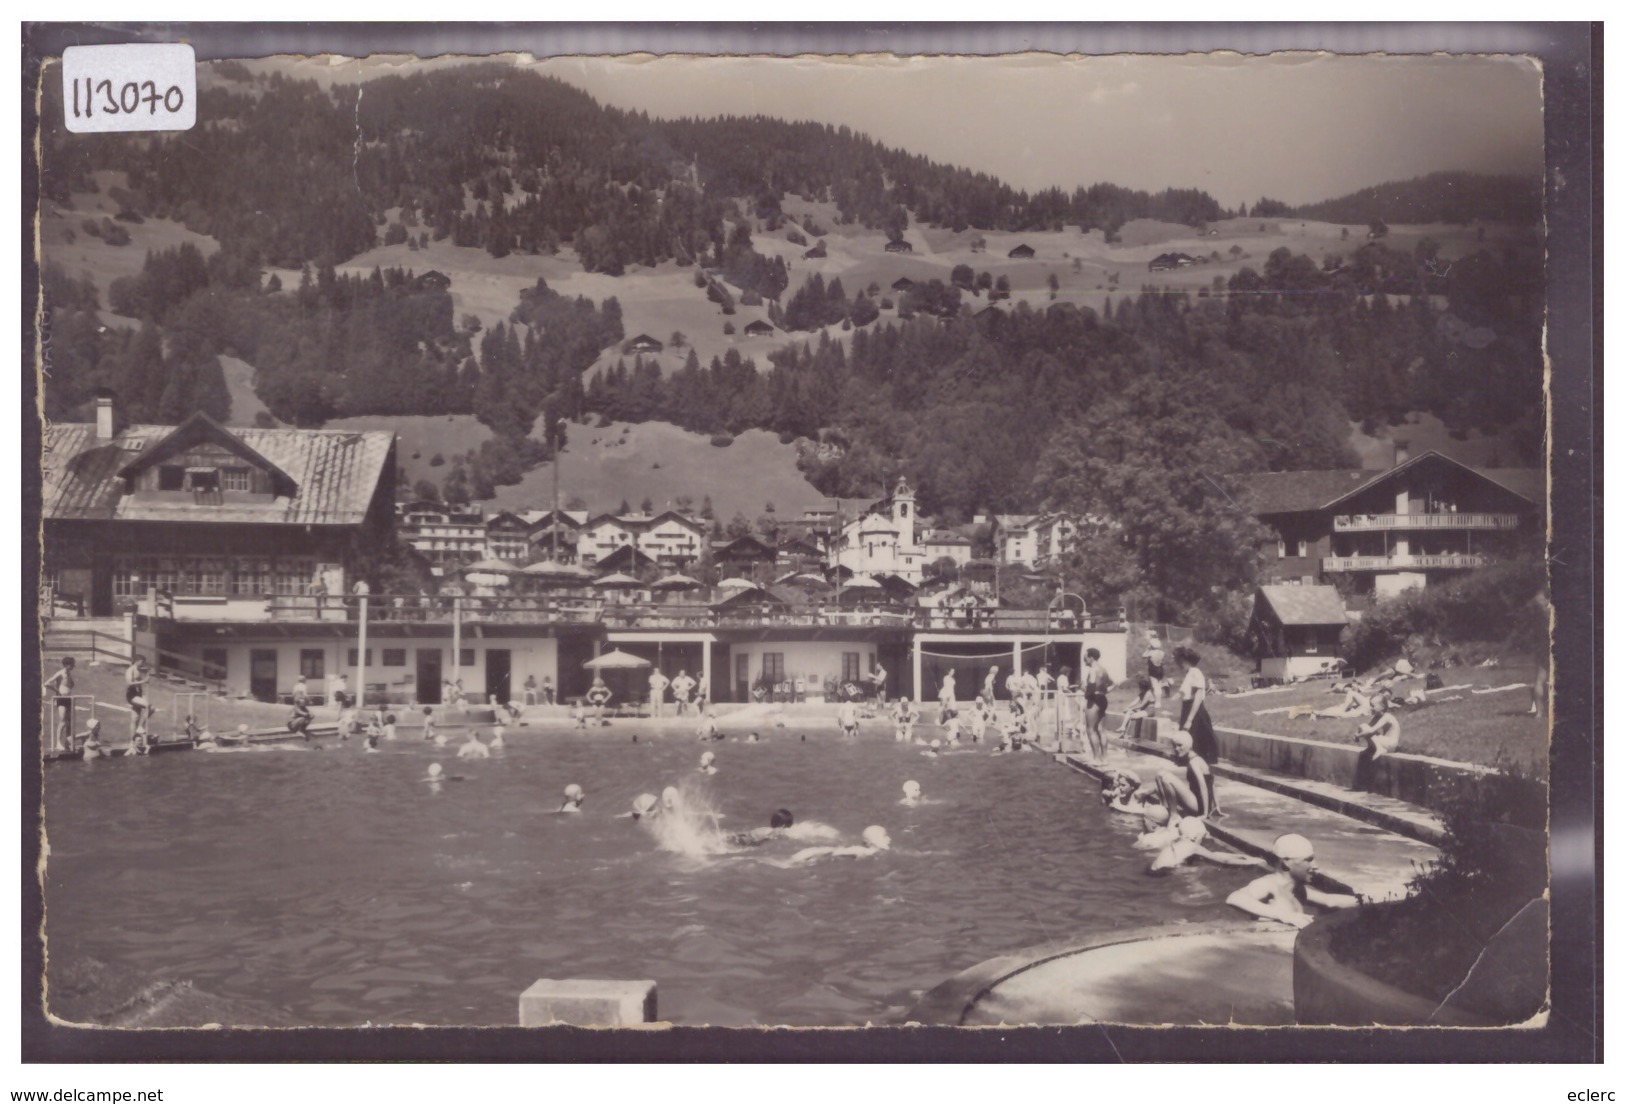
<point>1371,523</point>
<point>1453,560</point>
<point>543,609</point>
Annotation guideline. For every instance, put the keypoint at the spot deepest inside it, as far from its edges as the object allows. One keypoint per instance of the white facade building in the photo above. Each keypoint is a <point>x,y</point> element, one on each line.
<point>883,540</point>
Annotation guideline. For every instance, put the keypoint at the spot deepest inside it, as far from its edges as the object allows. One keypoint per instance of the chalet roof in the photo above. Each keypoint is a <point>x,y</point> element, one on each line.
<point>644,341</point>
<point>759,327</point>
<point>1023,250</point>
<point>742,546</point>
<point>1304,491</point>
<point>899,246</point>
<point>902,283</point>
<point>506,520</point>
<point>798,547</point>
<point>332,474</point>
<point>623,558</point>
<point>1304,605</point>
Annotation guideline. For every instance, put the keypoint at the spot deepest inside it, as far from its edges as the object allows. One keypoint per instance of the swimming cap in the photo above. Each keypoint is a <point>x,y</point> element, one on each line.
<point>242,728</point>
<point>781,819</point>
<point>1128,776</point>
<point>644,804</point>
<point>875,836</point>
<point>1403,666</point>
<point>1181,740</point>
<point>936,743</point>
<point>1293,846</point>
<point>708,758</point>
<point>668,797</point>
<point>572,791</point>
<point>911,788</point>
<point>434,770</point>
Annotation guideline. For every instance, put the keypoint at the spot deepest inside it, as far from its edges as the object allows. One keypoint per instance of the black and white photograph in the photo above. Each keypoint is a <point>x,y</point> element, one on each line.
<point>846,540</point>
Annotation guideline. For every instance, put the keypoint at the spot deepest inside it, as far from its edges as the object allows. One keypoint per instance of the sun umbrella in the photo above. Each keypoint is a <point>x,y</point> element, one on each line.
<point>735,583</point>
<point>861,582</point>
<point>553,569</point>
<point>616,660</point>
<point>675,582</point>
<point>610,582</point>
<point>811,582</point>
<point>490,566</point>
<point>485,578</point>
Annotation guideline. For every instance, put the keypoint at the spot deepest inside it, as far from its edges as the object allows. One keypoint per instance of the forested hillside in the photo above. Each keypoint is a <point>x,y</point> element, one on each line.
<point>985,409</point>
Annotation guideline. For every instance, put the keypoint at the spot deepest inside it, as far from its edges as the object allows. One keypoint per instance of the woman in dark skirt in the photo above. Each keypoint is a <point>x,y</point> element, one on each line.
<point>1193,716</point>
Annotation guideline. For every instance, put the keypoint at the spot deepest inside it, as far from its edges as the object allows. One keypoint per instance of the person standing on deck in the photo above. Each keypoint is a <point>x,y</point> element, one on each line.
<point>681,687</point>
<point>598,697</point>
<point>1096,682</point>
<point>878,677</point>
<point>135,695</point>
<point>657,691</point>
<point>989,685</point>
<point>1193,717</point>
<point>1153,664</point>
<point>947,698</point>
<point>60,688</point>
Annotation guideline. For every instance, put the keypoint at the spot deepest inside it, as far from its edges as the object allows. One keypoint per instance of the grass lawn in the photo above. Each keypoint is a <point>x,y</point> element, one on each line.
<point>1489,729</point>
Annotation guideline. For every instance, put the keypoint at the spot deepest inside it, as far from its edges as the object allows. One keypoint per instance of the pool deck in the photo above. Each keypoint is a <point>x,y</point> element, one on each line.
<point>1234,974</point>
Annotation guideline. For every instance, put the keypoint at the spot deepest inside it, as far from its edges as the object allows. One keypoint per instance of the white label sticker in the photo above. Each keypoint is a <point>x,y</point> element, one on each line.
<point>130,86</point>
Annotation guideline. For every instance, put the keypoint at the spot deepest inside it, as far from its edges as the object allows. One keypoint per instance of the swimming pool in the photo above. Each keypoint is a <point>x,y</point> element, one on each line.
<point>341,887</point>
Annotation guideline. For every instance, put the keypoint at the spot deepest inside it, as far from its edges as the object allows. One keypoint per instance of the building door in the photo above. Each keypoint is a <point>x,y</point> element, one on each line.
<point>742,677</point>
<point>214,665</point>
<point>498,664</point>
<point>428,676</point>
<point>262,683</point>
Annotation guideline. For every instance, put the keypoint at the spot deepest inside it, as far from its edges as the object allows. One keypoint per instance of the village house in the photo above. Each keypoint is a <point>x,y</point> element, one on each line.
<point>447,536</point>
<point>213,518</point>
<point>642,343</point>
<point>553,536</point>
<point>1425,519</point>
<point>1021,252</point>
<point>507,537</point>
<point>899,246</point>
<point>759,328</point>
<point>1165,262</point>
<point>1013,541</point>
<point>669,539</point>
<point>939,544</point>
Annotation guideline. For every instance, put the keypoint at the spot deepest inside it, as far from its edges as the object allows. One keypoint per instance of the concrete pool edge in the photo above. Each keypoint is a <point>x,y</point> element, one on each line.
<point>949,1003</point>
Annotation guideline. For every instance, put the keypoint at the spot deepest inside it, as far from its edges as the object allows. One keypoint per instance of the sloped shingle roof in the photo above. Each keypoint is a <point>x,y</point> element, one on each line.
<point>1305,605</point>
<point>336,471</point>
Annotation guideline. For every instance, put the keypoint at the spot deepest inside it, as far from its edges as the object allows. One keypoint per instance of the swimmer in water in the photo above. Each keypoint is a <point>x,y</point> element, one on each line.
<point>372,743</point>
<point>670,799</point>
<point>389,726</point>
<point>1187,845</point>
<point>428,723</point>
<point>708,727</point>
<point>474,749</point>
<point>435,773</point>
<point>777,824</point>
<point>911,793</point>
<point>875,840</point>
<point>708,763</point>
<point>753,738</point>
<point>91,742</point>
<point>932,751</point>
<point>1284,894</point>
<point>573,797</point>
<point>645,806</point>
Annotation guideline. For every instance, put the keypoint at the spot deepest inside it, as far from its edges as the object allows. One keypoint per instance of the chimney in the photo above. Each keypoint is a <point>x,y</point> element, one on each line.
<point>1402,451</point>
<point>104,415</point>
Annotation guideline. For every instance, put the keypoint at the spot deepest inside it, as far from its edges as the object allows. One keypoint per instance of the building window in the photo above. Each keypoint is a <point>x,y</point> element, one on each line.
<point>203,479</point>
<point>1303,548</point>
<point>394,657</point>
<point>312,663</point>
<point>850,671</point>
<point>1280,548</point>
<point>465,658</point>
<point>235,479</point>
<point>171,477</point>
<point>773,667</point>
<point>355,655</point>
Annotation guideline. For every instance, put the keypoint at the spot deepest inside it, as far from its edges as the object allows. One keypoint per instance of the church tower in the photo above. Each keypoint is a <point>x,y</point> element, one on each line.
<point>902,513</point>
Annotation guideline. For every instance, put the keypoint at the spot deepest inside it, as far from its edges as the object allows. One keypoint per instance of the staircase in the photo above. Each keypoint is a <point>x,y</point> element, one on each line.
<point>104,640</point>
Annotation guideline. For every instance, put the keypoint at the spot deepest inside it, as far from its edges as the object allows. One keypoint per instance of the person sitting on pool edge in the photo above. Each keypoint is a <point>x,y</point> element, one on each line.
<point>1284,894</point>
<point>776,825</point>
<point>875,840</point>
<point>1191,795</point>
<point>1380,734</point>
<point>1187,845</point>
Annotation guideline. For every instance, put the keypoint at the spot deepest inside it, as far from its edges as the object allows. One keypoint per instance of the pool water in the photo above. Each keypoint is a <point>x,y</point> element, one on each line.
<point>344,889</point>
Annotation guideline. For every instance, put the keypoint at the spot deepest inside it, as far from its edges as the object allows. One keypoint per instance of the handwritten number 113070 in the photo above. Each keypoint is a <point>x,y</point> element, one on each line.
<point>127,99</point>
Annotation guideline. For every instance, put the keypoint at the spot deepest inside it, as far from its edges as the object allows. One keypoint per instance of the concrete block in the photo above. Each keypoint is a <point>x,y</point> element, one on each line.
<point>587,1003</point>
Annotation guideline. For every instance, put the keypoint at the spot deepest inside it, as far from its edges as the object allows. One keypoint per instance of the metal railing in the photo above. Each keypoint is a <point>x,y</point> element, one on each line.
<point>1366,523</point>
<point>1387,563</point>
<point>90,643</point>
<point>564,609</point>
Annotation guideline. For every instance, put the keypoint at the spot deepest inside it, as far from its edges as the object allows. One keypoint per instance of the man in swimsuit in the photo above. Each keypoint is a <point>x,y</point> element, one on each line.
<point>1283,894</point>
<point>878,677</point>
<point>681,687</point>
<point>59,687</point>
<point>135,679</point>
<point>657,691</point>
